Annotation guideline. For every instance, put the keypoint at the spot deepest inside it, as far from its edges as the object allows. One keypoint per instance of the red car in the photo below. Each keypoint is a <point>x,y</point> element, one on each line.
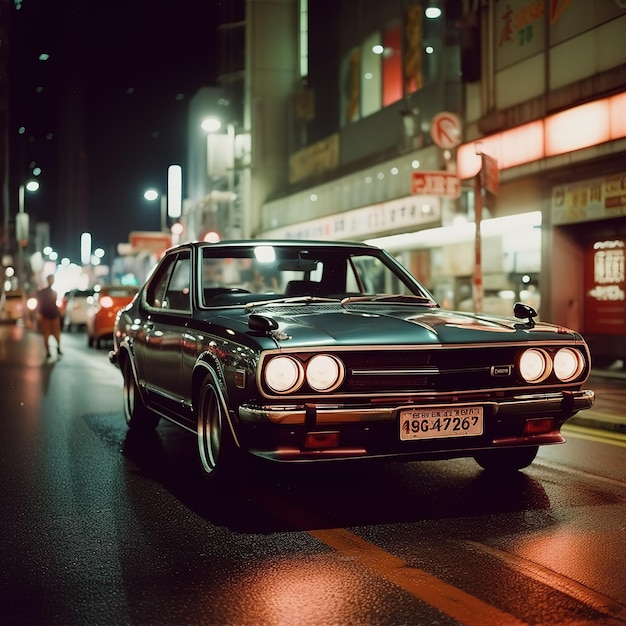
<point>107,301</point>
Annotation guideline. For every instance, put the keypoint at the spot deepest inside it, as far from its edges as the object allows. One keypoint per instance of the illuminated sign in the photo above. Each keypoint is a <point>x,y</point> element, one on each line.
<point>442,184</point>
<point>605,287</point>
<point>402,214</point>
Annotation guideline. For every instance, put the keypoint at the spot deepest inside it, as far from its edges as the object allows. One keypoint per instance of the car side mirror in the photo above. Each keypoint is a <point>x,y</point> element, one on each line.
<point>261,323</point>
<point>524,311</point>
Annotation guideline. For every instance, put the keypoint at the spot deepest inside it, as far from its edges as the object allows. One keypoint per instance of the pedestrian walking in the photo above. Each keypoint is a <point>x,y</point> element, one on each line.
<point>49,316</point>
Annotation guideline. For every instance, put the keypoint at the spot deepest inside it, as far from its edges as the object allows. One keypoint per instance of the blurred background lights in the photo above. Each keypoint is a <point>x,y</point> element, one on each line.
<point>85,248</point>
<point>211,237</point>
<point>433,11</point>
<point>211,124</point>
<point>174,191</point>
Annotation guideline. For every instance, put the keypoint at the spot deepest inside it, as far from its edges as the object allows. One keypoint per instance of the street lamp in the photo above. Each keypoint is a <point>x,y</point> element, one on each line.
<point>21,221</point>
<point>22,224</point>
<point>171,203</point>
<point>151,195</point>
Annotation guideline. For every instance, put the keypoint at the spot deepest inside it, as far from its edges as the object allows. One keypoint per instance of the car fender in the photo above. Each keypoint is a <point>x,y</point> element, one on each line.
<point>125,353</point>
<point>208,367</point>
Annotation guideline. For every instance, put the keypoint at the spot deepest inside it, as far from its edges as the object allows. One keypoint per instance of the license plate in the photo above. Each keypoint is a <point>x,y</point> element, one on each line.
<point>441,421</point>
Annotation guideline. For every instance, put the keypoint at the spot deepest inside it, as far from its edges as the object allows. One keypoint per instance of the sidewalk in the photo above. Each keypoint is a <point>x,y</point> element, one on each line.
<point>614,423</point>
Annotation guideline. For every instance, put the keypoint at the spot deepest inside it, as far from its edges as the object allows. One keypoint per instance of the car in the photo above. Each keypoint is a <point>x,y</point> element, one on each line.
<point>13,306</point>
<point>77,305</point>
<point>101,313</point>
<point>309,352</point>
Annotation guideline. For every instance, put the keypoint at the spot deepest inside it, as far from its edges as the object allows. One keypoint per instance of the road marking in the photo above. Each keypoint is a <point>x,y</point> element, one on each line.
<point>448,599</point>
<point>566,469</point>
<point>610,437</point>
<point>554,580</point>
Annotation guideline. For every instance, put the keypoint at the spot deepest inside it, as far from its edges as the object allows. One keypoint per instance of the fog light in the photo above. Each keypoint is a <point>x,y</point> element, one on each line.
<point>318,440</point>
<point>539,426</point>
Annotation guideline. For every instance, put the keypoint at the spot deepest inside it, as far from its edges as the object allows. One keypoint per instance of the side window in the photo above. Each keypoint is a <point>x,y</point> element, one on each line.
<point>155,294</point>
<point>170,289</point>
<point>178,292</point>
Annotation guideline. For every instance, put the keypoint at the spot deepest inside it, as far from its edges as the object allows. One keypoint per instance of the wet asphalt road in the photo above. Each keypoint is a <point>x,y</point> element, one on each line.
<point>100,527</point>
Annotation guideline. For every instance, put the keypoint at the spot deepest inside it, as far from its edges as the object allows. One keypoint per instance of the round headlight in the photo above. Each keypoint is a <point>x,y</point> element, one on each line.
<point>324,372</point>
<point>568,364</point>
<point>534,365</point>
<point>284,374</point>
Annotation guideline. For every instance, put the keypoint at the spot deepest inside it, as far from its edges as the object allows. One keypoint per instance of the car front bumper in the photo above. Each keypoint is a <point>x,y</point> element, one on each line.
<point>280,433</point>
<point>562,404</point>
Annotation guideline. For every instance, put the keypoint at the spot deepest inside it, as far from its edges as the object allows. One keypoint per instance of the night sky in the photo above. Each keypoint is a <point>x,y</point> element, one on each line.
<point>128,67</point>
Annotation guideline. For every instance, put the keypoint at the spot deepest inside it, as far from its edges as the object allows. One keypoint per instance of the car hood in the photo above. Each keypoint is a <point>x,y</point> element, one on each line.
<point>375,324</point>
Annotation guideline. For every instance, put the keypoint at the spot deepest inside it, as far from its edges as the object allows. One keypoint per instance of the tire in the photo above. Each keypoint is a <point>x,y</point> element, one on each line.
<point>138,416</point>
<point>507,459</point>
<point>219,455</point>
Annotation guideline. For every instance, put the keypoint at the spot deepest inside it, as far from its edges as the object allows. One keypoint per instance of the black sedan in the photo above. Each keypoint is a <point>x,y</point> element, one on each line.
<point>311,351</point>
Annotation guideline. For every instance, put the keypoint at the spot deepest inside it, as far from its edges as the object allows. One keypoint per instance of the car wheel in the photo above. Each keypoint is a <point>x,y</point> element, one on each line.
<point>90,341</point>
<point>138,415</point>
<point>506,460</point>
<point>217,449</point>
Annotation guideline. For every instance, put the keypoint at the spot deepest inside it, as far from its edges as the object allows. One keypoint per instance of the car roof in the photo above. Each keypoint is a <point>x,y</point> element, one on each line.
<point>297,243</point>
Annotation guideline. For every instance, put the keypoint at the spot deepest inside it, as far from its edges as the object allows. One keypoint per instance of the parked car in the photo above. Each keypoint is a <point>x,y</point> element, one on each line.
<point>77,304</point>
<point>310,351</point>
<point>13,306</point>
<point>107,301</point>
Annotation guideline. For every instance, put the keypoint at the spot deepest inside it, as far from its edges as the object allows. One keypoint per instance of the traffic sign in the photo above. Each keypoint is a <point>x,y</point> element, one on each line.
<point>445,129</point>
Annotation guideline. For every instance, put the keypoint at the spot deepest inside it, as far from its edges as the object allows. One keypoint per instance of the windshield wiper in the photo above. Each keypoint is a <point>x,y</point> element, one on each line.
<point>394,298</point>
<point>290,300</point>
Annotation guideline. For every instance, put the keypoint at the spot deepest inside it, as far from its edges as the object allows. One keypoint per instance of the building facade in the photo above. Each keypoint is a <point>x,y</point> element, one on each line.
<point>401,125</point>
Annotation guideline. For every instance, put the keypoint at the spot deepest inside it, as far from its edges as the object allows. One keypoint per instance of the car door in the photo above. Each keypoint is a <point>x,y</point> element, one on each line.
<point>168,309</point>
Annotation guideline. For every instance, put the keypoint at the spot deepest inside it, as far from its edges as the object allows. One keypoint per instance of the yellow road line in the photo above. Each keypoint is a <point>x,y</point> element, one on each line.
<point>446,598</point>
<point>593,434</point>
<point>581,593</point>
<point>442,596</point>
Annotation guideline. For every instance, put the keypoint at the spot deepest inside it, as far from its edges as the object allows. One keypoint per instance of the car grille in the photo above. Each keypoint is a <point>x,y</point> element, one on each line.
<point>489,371</point>
<point>438,370</point>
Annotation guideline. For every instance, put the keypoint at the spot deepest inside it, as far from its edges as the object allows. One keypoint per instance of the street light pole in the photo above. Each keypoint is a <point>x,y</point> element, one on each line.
<point>151,195</point>
<point>22,224</point>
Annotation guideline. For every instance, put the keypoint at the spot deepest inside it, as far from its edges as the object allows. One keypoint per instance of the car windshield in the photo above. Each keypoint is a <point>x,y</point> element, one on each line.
<point>290,271</point>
